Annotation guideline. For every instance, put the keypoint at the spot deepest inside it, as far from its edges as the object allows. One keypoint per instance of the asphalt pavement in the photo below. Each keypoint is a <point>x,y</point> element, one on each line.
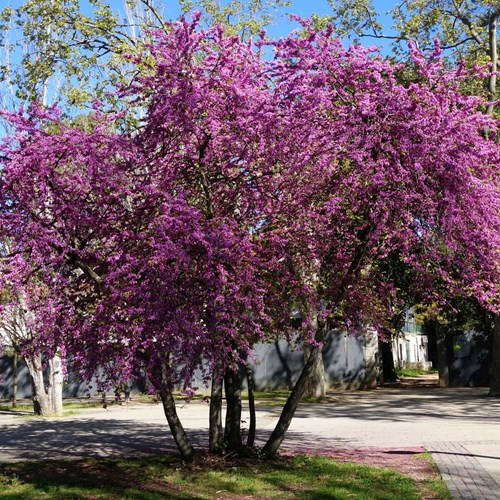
<point>460,427</point>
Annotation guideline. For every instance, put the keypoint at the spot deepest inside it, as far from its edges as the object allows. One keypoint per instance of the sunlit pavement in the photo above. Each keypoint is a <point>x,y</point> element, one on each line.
<point>461,427</point>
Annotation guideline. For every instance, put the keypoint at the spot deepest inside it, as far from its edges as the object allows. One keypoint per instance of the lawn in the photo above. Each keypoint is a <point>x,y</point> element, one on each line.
<point>299,477</point>
<point>412,372</point>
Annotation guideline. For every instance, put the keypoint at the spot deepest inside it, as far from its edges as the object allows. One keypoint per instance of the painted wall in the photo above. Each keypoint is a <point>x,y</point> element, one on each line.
<point>469,359</point>
<point>350,363</point>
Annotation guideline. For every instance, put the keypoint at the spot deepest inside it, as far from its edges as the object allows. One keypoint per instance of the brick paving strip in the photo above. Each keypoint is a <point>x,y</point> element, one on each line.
<point>464,476</point>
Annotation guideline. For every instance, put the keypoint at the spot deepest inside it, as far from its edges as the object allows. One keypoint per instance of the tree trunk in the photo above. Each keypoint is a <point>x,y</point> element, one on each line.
<point>41,404</point>
<point>47,398</point>
<point>316,382</point>
<point>388,372</point>
<point>278,434</point>
<point>442,356</point>
<point>215,433</point>
<point>14,380</point>
<point>251,406</point>
<point>176,428</point>
<point>55,385</point>
<point>495,361</point>
<point>232,432</point>
<point>493,53</point>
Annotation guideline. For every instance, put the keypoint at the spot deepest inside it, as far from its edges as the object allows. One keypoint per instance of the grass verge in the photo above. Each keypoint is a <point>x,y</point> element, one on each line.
<point>70,407</point>
<point>411,372</point>
<point>300,477</point>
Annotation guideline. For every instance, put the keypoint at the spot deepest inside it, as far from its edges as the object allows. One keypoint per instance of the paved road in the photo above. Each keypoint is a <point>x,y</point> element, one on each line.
<point>461,427</point>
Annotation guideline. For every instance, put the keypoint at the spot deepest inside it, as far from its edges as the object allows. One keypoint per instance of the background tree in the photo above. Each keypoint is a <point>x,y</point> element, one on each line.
<point>21,311</point>
<point>243,18</point>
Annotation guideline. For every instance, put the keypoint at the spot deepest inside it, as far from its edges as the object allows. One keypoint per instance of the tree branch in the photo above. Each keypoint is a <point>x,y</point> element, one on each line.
<point>72,258</point>
<point>467,22</point>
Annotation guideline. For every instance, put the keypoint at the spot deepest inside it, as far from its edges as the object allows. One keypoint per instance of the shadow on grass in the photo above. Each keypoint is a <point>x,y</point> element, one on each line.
<point>107,478</point>
<point>299,477</point>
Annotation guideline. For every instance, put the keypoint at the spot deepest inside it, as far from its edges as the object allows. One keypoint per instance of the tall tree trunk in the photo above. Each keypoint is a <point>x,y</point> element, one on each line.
<point>495,360</point>
<point>442,356</point>
<point>14,380</point>
<point>251,406</point>
<point>388,372</point>
<point>55,385</point>
<point>176,428</point>
<point>232,431</point>
<point>215,433</point>
<point>278,434</point>
<point>47,398</point>
<point>492,87</point>
<point>493,53</point>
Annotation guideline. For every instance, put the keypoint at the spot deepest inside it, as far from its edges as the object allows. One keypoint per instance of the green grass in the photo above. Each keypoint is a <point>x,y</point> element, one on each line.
<point>18,407</point>
<point>271,394</point>
<point>411,372</point>
<point>69,406</point>
<point>303,477</point>
<point>433,484</point>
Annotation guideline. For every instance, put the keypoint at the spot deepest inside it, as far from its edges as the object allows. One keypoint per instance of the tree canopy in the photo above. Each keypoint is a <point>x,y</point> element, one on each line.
<point>249,186</point>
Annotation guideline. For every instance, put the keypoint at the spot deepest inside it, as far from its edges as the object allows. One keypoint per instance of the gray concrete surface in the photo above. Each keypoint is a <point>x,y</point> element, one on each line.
<point>461,427</point>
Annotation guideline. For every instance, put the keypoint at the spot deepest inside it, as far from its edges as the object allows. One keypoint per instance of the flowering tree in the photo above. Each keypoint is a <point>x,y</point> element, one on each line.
<point>252,186</point>
<point>24,313</point>
<point>393,172</point>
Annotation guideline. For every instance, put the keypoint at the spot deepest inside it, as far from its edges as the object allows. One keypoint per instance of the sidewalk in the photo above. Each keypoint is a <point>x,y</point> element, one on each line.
<point>463,472</point>
<point>461,427</point>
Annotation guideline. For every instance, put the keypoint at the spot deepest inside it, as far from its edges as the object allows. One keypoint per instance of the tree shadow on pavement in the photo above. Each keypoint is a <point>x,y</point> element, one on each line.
<point>38,439</point>
<point>404,405</point>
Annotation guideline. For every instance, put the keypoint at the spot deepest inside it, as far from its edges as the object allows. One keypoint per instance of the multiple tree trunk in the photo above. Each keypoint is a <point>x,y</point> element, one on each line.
<point>230,440</point>
<point>47,391</point>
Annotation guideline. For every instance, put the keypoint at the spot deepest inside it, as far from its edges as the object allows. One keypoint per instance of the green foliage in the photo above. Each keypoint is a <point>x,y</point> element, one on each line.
<point>462,28</point>
<point>241,17</point>
<point>459,314</point>
<point>54,40</point>
<point>355,19</point>
<point>54,52</point>
<point>165,477</point>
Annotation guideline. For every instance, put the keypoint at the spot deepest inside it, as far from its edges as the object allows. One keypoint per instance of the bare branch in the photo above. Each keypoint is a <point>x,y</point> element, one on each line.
<point>467,22</point>
<point>155,13</point>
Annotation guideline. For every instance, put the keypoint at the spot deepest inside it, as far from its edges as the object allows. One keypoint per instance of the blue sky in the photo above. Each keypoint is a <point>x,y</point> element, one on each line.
<point>303,8</point>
